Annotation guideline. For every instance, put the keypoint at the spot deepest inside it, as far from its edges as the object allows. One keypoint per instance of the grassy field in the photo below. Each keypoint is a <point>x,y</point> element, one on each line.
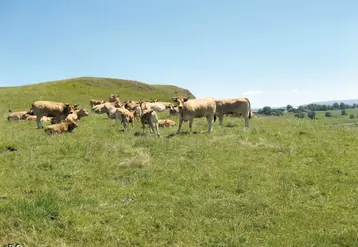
<point>281,182</point>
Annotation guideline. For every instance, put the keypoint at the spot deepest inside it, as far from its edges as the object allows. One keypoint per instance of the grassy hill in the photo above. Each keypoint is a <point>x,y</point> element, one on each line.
<point>80,90</point>
<point>282,182</point>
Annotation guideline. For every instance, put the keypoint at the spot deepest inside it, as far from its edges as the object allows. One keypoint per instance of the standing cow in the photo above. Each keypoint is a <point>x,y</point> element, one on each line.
<point>59,111</point>
<point>196,108</point>
<point>238,106</point>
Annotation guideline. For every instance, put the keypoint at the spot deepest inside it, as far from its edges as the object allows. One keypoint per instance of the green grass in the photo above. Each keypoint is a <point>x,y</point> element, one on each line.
<point>282,182</point>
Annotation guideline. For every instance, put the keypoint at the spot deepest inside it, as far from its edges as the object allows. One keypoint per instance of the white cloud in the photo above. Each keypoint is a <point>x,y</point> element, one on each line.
<point>250,92</point>
<point>295,90</point>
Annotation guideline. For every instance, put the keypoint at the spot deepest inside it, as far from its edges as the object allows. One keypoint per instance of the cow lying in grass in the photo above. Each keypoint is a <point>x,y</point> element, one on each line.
<point>20,115</point>
<point>166,123</point>
<point>60,128</point>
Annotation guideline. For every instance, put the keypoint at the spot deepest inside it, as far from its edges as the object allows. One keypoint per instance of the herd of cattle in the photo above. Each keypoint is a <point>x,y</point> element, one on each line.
<point>64,117</point>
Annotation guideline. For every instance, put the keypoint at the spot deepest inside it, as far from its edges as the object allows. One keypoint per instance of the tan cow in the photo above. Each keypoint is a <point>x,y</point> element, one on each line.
<point>103,108</point>
<point>158,107</point>
<point>59,128</point>
<point>237,106</point>
<point>150,117</point>
<point>122,115</point>
<point>43,119</point>
<point>58,110</point>
<point>94,102</point>
<point>114,98</point>
<point>196,108</point>
<point>16,116</point>
<point>76,115</point>
<point>165,123</point>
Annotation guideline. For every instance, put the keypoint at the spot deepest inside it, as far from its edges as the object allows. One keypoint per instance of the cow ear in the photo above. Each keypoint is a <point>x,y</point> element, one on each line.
<point>175,99</point>
<point>185,99</point>
<point>67,104</point>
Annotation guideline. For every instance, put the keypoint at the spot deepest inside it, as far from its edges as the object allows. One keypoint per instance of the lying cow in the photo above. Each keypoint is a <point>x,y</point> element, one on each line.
<point>20,115</point>
<point>239,107</point>
<point>59,111</point>
<point>166,123</point>
<point>150,117</point>
<point>196,108</point>
<point>76,115</point>
<point>94,102</point>
<point>60,128</point>
<point>43,119</point>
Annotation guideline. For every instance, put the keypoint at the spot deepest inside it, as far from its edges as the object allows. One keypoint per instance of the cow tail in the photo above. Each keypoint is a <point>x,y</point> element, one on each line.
<point>214,118</point>
<point>249,107</point>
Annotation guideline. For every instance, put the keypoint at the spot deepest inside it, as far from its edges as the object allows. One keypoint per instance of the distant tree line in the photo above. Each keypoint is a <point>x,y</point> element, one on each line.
<point>299,111</point>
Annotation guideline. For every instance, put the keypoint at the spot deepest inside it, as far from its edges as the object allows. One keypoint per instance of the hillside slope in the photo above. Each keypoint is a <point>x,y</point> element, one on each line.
<point>80,90</point>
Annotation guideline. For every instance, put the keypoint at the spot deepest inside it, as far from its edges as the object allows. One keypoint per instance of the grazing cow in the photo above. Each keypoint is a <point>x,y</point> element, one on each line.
<point>59,111</point>
<point>196,108</point>
<point>76,115</point>
<point>114,98</point>
<point>238,106</point>
<point>150,117</point>
<point>124,116</point>
<point>166,123</point>
<point>94,102</point>
<point>59,128</point>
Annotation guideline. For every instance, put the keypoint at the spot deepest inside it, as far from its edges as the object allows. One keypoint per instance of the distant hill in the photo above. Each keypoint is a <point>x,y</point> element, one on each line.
<point>80,90</point>
<point>331,102</point>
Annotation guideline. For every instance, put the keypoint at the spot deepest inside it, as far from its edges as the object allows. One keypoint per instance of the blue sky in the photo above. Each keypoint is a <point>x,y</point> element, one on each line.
<point>273,51</point>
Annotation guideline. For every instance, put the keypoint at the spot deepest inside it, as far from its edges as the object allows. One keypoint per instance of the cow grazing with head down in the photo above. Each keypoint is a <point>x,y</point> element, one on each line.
<point>59,111</point>
<point>60,128</point>
<point>103,108</point>
<point>195,108</point>
<point>238,106</point>
<point>94,102</point>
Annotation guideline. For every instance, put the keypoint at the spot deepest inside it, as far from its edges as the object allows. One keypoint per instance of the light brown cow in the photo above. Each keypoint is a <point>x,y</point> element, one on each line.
<point>123,115</point>
<point>165,123</point>
<point>15,116</point>
<point>103,108</point>
<point>43,119</point>
<point>58,110</point>
<point>59,128</point>
<point>238,106</point>
<point>114,98</point>
<point>173,110</point>
<point>94,102</point>
<point>150,117</point>
<point>76,115</point>
<point>196,108</point>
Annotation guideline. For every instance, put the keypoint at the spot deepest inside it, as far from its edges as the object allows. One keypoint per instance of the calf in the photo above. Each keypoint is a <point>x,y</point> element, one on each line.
<point>166,123</point>
<point>60,128</point>
<point>76,115</point>
<point>150,117</point>
<point>124,116</point>
<point>196,108</point>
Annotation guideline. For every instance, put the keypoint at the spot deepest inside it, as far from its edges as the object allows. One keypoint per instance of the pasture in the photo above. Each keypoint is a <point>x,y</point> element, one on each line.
<point>281,182</point>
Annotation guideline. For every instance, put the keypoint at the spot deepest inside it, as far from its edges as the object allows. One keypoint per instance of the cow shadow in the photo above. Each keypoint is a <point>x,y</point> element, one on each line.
<point>185,133</point>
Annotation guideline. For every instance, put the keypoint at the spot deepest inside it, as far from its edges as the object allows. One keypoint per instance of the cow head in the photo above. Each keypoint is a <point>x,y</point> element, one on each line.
<point>100,109</point>
<point>82,113</point>
<point>114,98</point>
<point>67,109</point>
<point>180,101</point>
<point>72,125</point>
<point>173,110</point>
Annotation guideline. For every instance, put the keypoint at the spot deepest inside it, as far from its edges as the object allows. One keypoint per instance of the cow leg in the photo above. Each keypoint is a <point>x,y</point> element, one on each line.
<point>191,124</point>
<point>180,124</point>
<point>157,127</point>
<point>151,127</point>
<point>210,123</point>
<point>221,118</point>
<point>38,122</point>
